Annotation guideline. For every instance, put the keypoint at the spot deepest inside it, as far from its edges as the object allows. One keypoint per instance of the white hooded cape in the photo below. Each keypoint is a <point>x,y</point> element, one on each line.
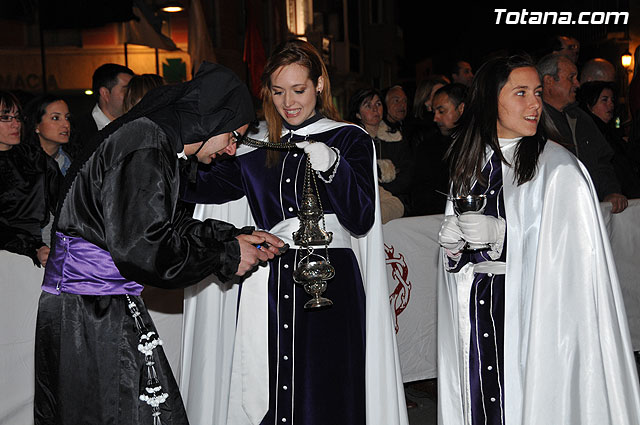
<point>568,359</point>
<point>213,345</point>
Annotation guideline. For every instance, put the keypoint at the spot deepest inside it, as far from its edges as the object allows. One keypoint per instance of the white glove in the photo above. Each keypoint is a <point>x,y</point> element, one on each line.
<point>450,236</point>
<point>387,171</point>
<point>321,156</point>
<point>480,229</point>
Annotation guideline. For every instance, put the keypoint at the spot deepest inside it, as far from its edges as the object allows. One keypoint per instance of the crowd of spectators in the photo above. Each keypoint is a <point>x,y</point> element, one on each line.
<point>38,144</point>
<point>412,135</point>
<point>583,110</point>
<point>411,131</point>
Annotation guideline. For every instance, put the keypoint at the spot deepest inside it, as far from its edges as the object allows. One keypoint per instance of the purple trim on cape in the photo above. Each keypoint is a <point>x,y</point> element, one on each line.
<point>77,266</point>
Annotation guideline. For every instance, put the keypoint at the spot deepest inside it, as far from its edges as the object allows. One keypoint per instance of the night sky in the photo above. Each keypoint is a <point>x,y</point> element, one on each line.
<point>447,30</point>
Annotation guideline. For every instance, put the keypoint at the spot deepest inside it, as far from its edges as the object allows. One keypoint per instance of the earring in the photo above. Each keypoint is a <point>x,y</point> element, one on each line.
<point>37,131</point>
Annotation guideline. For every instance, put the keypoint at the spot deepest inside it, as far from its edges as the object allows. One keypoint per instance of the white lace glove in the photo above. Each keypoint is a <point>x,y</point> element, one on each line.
<point>450,236</point>
<point>387,171</point>
<point>480,229</point>
<point>321,156</point>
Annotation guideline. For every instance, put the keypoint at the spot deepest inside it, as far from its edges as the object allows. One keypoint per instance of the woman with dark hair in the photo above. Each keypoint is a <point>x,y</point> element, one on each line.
<point>531,322</point>
<point>28,187</point>
<point>597,98</point>
<point>366,110</point>
<point>47,124</point>
<point>336,365</point>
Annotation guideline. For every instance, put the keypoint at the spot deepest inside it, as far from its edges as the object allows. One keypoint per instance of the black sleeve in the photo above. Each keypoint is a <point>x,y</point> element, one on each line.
<point>150,241</point>
<point>403,161</point>
<point>53,180</point>
<point>20,242</point>
<point>602,172</point>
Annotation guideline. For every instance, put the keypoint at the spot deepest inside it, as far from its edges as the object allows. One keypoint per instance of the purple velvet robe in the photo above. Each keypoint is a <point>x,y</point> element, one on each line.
<point>486,308</point>
<point>316,358</point>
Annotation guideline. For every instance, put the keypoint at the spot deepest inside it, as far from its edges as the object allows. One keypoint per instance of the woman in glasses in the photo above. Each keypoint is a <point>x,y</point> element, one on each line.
<point>28,187</point>
<point>336,365</point>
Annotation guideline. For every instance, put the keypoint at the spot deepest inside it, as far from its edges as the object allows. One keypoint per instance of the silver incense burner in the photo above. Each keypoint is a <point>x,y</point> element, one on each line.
<point>313,270</point>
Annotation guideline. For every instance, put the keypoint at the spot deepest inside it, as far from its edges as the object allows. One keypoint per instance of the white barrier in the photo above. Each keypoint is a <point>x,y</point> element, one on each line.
<point>20,284</point>
<point>411,251</point>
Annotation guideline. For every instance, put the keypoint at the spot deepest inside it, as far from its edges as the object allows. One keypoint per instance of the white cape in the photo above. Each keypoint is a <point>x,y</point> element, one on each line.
<point>567,353</point>
<point>213,396</point>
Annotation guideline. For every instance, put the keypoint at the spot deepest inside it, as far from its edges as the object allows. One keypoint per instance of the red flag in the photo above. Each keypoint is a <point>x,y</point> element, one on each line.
<point>254,55</point>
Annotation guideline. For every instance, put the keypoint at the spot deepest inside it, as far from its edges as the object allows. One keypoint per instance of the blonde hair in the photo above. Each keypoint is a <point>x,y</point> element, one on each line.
<point>302,53</point>
<point>138,86</point>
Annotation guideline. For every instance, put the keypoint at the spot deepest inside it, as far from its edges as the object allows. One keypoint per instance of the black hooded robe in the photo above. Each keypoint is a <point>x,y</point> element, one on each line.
<point>121,197</point>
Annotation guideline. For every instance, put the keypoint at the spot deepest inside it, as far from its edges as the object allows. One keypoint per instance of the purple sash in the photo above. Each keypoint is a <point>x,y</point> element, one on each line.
<point>77,266</point>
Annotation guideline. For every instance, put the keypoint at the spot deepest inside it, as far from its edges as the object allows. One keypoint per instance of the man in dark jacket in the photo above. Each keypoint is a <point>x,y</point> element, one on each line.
<point>581,135</point>
<point>109,85</point>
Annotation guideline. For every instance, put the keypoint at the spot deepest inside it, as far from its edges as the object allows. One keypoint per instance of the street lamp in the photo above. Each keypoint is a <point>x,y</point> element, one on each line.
<point>626,59</point>
<point>172,9</point>
<point>171,6</point>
